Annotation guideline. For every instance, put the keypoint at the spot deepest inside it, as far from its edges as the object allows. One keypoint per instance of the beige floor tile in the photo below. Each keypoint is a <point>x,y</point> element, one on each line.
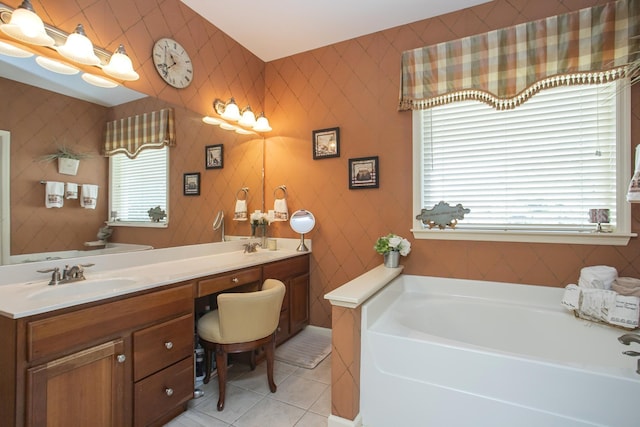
<point>299,391</point>
<point>270,413</point>
<point>312,420</point>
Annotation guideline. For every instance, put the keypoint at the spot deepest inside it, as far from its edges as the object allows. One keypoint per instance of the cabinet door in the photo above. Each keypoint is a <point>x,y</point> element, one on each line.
<point>86,388</point>
<point>299,302</point>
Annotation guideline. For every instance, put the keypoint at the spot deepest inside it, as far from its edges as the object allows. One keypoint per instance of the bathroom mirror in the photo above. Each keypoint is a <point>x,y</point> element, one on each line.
<point>243,167</point>
<point>302,222</point>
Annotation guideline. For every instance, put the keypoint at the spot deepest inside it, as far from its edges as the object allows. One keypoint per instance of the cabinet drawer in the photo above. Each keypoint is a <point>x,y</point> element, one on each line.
<point>59,334</point>
<point>159,346</point>
<point>287,268</point>
<point>229,280</point>
<point>163,392</point>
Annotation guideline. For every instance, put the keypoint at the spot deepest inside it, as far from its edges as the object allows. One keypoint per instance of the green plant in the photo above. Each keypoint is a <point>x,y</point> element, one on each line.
<point>392,242</point>
<point>64,152</point>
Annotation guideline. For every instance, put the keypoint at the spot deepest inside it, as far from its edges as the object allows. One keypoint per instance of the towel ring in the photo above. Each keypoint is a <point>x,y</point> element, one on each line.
<point>244,190</point>
<point>281,187</point>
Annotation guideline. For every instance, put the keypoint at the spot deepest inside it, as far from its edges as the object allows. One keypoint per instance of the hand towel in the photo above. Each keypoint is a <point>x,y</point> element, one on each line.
<point>626,286</point>
<point>597,277</point>
<point>89,196</point>
<point>54,194</point>
<point>71,191</point>
<point>625,311</point>
<point>240,213</point>
<point>281,212</point>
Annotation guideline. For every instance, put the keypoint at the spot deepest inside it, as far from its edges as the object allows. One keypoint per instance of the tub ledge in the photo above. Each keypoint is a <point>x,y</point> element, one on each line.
<point>355,292</point>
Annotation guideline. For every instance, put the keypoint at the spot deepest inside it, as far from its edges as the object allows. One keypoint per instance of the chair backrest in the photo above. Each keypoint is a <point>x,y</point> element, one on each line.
<point>250,316</point>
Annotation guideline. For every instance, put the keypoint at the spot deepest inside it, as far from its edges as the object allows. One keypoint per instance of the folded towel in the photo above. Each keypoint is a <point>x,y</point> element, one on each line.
<point>71,191</point>
<point>280,210</point>
<point>633,194</point>
<point>89,197</point>
<point>54,194</point>
<point>240,213</point>
<point>627,286</point>
<point>597,277</point>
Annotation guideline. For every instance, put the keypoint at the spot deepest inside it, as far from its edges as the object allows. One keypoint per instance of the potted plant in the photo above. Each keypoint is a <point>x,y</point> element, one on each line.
<point>68,160</point>
<point>391,247</point>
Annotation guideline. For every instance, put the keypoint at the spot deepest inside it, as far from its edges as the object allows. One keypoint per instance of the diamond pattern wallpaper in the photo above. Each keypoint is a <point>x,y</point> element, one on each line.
<point>352,85</point>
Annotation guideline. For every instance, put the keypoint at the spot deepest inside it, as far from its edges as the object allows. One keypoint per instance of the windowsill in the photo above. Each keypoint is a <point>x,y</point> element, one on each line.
<point>576,238</point>
<point>138,224</point>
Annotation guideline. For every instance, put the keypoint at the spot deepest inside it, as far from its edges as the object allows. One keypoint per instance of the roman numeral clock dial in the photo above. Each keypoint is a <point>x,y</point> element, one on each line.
<point>173,63</point>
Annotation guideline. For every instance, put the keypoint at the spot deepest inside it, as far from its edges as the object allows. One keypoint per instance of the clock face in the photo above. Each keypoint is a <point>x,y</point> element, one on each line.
<point>173,63</point>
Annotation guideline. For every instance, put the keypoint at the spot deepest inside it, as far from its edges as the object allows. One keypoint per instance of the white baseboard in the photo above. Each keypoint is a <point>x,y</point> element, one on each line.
<point>335,421</point>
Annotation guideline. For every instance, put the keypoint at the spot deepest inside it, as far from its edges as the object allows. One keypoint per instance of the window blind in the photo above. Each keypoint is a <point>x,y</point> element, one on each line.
<point>139,184</point>
<point>540,167</point>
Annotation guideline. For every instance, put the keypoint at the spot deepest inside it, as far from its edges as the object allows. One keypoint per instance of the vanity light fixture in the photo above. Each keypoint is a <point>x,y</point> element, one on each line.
<point>78,48</point>
<point>231,111</point>
<point>246,119</point>
<point>25,25</point>
<point>120,66</point>
<point>25,28</point>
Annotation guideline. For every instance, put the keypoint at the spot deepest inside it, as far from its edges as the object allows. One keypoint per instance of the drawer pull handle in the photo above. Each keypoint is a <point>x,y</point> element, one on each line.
<point>121,358</point>
<point>235,280</point>
<point>168,345</point>
<point>168,391</point>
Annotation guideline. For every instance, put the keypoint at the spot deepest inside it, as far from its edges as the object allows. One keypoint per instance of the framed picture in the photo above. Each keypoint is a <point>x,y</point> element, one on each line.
<point>192,184</point>
<point>213,158</point>
<point>364,173</point>
<point>326,143</point>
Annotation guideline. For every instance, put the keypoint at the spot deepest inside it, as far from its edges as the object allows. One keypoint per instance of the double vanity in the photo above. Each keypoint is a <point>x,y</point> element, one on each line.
<point>117,348</point>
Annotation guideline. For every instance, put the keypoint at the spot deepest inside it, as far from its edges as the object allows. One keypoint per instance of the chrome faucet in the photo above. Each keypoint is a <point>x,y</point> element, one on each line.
<point>251,247</point>
<point>627,339</point>
<point>69,274</point>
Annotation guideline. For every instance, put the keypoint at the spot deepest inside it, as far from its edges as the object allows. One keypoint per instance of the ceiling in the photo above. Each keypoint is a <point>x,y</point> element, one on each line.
<point>277,29</point>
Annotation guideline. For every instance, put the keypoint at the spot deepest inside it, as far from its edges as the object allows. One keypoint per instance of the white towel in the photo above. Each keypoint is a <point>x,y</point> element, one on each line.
<point>240,213</point>
<point>597,277</point>
<point>54,194</point>
<point>89,197</point>
<point>71,191</point>
<point>281,212</point>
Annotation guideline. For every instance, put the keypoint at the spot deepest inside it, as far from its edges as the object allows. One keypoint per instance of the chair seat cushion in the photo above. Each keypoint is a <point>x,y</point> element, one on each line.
<point>209,327</point>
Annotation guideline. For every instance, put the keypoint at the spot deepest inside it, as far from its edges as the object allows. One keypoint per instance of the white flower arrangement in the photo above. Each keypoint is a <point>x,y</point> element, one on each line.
<point>259,218</point>
<point>393,242</point>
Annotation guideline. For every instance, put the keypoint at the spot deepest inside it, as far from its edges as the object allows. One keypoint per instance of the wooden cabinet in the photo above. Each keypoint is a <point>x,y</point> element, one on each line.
<point>84,388</point>
<point>294,273</point>
<point>80,366</point>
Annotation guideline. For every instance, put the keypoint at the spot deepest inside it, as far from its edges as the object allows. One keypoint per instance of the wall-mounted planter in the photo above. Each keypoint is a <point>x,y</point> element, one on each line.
<point>68,166</point>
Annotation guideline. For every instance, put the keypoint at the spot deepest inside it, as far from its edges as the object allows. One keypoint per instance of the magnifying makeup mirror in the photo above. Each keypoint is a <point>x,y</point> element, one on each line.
<point>302,222</point>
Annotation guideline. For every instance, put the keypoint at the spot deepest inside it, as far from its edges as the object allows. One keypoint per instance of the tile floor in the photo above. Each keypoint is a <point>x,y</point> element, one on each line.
<point>303,399</point>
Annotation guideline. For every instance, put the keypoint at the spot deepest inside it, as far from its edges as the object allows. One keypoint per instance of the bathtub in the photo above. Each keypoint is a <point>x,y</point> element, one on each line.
<point>447,353</point>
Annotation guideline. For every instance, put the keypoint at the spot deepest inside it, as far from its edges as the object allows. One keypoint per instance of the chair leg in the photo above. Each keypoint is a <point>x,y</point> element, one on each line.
<point>252,360</point>
<point>207,364</point>
<point>221,365</point>
<point>269,351</point>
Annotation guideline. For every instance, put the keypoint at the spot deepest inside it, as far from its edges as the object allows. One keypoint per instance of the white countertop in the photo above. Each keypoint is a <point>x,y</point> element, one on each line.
<point>24,291</point>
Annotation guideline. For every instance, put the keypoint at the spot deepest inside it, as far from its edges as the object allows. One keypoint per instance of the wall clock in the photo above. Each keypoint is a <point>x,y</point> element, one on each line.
<point>172,63</point>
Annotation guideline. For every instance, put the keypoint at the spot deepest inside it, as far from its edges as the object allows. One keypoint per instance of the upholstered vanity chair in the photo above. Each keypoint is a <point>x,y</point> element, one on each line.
<point>243,322</point>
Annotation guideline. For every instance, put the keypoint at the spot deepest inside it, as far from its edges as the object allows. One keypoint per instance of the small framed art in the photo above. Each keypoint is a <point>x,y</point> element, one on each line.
<point>364,172</point>
<point>213,155</point>
<point>192,184</point>
<point>326,143</point>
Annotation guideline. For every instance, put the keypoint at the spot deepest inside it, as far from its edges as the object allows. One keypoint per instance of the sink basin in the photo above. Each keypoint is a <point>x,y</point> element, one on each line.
<point>81,288</point>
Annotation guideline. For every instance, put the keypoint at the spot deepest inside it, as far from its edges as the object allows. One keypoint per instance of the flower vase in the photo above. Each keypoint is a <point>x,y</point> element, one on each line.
<point>392,259</point>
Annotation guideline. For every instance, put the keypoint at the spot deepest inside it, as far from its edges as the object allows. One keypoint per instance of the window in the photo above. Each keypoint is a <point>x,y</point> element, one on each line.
<point>137,185</point>
<point>531,173</point>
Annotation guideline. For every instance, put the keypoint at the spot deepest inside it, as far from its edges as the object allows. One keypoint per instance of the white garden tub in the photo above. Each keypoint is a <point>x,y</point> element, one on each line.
<point>445,353</point>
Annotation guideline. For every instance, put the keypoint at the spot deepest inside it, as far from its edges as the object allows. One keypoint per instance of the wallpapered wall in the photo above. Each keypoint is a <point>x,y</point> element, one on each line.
<point>353,85</point>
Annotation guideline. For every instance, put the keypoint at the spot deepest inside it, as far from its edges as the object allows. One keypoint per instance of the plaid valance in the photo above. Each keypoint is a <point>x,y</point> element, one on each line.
<point>504,68</point>
<point>136,133</point>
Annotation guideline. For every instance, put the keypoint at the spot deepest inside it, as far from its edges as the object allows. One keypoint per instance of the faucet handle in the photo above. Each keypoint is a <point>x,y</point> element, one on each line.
<point>55,275</point>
